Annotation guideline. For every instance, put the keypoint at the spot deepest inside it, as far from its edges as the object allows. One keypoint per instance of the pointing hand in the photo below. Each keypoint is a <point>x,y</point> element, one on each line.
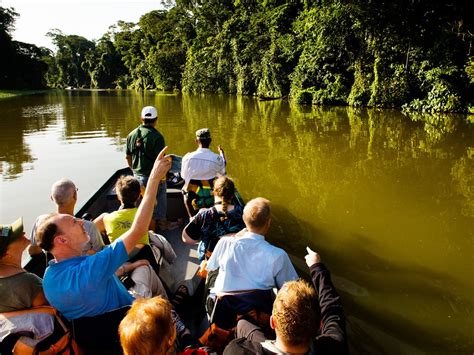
<point>312,257</point>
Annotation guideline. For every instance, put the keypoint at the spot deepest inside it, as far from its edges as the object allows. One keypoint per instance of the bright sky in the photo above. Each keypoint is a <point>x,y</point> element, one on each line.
<point>87,18</point>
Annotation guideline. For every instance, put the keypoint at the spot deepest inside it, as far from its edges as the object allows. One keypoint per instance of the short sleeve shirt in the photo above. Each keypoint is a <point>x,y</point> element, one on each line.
<point>144,144</point>
<point>207,223</point>
<point>18,291</point>
<point>86,286</point>
<point>120,221</point>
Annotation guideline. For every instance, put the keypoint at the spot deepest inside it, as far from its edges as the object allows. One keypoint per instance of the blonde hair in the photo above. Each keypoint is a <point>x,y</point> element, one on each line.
<point>257,212</point>
<point>296,313</point>
<point>148,328</point>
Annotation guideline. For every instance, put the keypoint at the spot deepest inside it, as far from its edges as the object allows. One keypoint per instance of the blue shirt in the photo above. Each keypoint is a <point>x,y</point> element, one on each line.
<point>248,263</point>
<point>86,286</point>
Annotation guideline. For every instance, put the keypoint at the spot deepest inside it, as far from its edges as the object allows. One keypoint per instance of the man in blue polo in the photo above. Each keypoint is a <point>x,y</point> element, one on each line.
<point>143,145</point>
<point>86,286</point>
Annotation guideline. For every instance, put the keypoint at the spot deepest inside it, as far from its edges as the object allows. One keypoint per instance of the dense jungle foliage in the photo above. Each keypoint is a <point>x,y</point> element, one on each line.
<point>22,64</point>
<point>415,54</point>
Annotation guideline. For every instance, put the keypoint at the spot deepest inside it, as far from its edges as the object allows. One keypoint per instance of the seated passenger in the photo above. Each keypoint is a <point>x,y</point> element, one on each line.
<point>237,257</point>
<point>64,195</point>
<point>118,222</point>
<point>211,223</point>
<point>248,268</point>
<point>151,326</point>
<point>199,169</point>
<point>18,289</point>
<point>86,286</point>
<point>148,328</point>
<point>296,317</point>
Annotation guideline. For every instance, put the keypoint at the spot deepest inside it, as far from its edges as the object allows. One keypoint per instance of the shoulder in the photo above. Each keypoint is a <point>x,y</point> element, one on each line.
<point>29,277</point>
<point>244,346</point>
<point>89,224</point>
<point>133,133</point>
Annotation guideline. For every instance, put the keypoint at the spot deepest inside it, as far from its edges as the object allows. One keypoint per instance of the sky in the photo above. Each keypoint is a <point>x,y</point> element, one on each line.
<point>87,18</point>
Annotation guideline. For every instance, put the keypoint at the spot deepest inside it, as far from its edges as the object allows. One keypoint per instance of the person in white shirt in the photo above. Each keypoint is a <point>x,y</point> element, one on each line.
<point>236,257</point>
<point>199,169</point>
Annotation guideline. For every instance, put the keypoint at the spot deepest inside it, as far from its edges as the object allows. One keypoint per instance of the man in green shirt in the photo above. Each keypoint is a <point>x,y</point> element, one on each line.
<point>143,145</point>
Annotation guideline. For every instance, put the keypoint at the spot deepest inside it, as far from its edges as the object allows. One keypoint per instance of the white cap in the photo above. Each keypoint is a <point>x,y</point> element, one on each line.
<point>149,113</point>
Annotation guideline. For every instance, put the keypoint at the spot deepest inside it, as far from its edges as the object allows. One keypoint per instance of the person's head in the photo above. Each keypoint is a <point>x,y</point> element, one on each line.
<point>128,190</point>
<point>257,215</point>
<point>62,234</point>
<point>224,188</point>
<point>148,328</point>
<point>149,115</point>
<point>12,238</point>
<point>64,192</point>
<point>203,137</point>
<point>295,314</point>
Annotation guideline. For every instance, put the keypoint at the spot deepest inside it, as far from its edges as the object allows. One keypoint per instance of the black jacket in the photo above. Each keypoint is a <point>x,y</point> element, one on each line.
<point>332,339</point>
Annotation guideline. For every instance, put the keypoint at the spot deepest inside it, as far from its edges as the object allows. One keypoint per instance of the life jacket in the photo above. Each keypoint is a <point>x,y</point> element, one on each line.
<point>203,191</point>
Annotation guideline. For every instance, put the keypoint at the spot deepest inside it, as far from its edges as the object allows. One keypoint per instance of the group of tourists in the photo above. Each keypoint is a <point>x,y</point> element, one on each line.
<point>90,264</point>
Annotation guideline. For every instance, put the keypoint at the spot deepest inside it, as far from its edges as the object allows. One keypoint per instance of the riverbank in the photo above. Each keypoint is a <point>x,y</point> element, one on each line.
<point>5,94</point>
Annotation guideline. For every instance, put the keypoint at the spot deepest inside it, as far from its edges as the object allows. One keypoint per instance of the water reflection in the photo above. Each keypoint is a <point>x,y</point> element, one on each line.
<point>385,197</point>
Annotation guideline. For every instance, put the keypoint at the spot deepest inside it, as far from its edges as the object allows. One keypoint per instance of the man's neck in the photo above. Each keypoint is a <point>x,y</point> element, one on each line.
<point>296,349</point>
<point>66,209</point>
<point>256,231</point>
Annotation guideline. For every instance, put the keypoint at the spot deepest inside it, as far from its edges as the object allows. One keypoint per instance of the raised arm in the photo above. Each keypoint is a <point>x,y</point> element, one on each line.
<point>333,332</point>
<point>143,216</point>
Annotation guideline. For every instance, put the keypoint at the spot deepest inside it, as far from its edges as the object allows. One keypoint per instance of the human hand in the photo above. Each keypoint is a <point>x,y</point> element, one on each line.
<point>134,265</point>
<point>162,165</point>
<point>312,257</point>
<point>220,150</point>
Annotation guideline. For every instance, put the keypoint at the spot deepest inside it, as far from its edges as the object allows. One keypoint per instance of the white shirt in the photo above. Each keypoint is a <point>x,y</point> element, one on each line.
<point>248,263</point>
<point>202,164</point>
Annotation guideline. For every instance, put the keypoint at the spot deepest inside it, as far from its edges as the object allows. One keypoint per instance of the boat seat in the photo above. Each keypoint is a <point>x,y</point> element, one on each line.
<point>226,308</point>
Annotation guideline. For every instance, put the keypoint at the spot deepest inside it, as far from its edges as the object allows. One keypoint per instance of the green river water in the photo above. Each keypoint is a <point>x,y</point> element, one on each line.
<point>386,199</point>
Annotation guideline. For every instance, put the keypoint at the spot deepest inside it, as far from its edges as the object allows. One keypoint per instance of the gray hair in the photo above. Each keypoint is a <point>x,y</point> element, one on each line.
<point>63,191</point>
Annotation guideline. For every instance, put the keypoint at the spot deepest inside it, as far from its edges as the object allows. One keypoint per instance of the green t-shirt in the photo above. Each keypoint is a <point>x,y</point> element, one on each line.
<point>18,291</point>
<point>144,144</point>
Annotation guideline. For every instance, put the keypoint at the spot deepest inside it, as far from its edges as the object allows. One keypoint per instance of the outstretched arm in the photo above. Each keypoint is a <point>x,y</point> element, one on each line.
<point>143,216</point>
<point>333,332</point>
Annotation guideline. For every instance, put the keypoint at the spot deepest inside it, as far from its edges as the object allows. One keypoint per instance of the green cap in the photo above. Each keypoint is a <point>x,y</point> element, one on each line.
<point>9,233</point>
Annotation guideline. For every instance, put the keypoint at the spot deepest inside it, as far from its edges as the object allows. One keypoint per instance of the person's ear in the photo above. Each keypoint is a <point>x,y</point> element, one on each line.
<point>60,239</point>
<point>272,322</point>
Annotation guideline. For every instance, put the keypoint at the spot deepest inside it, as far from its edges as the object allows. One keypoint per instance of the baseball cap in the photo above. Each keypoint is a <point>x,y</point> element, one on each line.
<point>9,233</point>
<point>149,113</point>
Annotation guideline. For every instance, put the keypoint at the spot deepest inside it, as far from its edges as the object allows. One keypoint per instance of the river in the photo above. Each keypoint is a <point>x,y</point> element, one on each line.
<point>386,199</point>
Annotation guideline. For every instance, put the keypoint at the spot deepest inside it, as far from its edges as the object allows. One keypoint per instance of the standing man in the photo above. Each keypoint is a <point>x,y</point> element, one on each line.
<point>199,169</point>
<point>144,144</point>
